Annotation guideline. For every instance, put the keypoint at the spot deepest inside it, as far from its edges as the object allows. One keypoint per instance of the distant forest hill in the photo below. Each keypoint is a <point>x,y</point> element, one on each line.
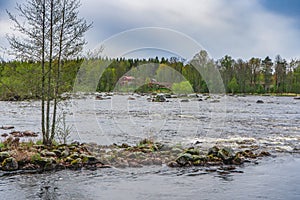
<point>22,80</point>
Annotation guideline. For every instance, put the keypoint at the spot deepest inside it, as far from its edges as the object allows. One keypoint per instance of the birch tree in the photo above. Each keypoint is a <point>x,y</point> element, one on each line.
<point>49,32</point>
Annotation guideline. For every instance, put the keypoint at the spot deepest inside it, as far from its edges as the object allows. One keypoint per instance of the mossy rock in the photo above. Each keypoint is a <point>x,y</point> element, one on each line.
<point>9,164</point>
<point>226,154</point>
<point>184,159</point>
<point>4,155</point>
<point>57,152</point>
<point>238,159</point>
<point>36,158</point>
<point>47,153</point>
<point>176,151</point>
<point>197,157</point>
<point>68,159</point>
<point>213,151</point>
<point>74,156</point>
<point>192,151</point>
<point>77,163</point>
<point>50,164</point>
<point>65,153</point>
<point>136,155</point>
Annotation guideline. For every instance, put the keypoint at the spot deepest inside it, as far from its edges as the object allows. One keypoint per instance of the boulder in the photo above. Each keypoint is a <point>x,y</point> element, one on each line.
<point>184,100</point>
<point>184,159</point>
<point>47,153</point>
<point>173,164</point>
<point>192,151</point>
<point>29,134</point>
<point>213,151</point>
<point>4,135</point>
<point>77,163</point>
<point>10,164</point>
<point>4,155</point>
<point>65,153</point>
<point>259,101</point>
<point>226,154</point>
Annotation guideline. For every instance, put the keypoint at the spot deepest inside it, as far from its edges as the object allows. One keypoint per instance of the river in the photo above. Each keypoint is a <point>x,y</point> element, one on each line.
<point>222,120</point>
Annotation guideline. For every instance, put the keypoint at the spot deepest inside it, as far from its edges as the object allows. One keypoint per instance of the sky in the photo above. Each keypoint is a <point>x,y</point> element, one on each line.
<point>239,28</point>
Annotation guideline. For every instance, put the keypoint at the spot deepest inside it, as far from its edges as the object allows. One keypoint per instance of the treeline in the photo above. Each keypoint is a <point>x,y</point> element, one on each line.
<point>20,80</point>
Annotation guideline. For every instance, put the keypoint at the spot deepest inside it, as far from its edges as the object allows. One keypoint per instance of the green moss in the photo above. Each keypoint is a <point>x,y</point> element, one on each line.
<point>36,158</point>
<point>39,142</point>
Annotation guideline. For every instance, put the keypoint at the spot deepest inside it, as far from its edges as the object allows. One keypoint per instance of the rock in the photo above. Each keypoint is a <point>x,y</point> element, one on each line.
<point>173,164</point>
<point>124,145</point>
<point>74,156</point>
<point>39,146</point>
<point>184,159</point>
<point>16,134</point>
<point>29,134</point>
<point>135,155</point>
<point>168,96</point>
<point>88,159</point>
<point>4,155</point>
<point>159,98</point>
<point>134,164</point>
<point>184,100</point>
<point>238,159</point>
<point>248,154</point>
<point>192,151</point>
<point>146,162</point>
<point>50,164</point>
<point>77,163</point>
<point>121,164</point>
<point>47,153</point>
<point>10,164</point>
<point>131,98</point>
<point>263,153</point>
<point>176,150</point>
<point>65,153</point>
<point>164,148</point>
<point>99,97</point>
<point>259,101</point>
<point>57,152</point>
<point>4,135</point>
<point>226,154</point>
<point>30,166</point>
<point>156,161</point>
<point>69,159</point>
<point>213,151</point>
<point>7,127</point>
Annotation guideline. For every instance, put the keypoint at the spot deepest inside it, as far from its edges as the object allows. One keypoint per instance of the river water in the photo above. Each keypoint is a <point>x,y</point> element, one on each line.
<point>222,120</point>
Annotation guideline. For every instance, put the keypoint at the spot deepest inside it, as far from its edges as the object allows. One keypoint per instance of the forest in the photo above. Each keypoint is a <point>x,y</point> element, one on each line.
<point>21,80</point>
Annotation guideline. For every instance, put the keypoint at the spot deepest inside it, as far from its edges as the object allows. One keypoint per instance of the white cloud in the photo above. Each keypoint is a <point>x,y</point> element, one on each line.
<point>239,28</point>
